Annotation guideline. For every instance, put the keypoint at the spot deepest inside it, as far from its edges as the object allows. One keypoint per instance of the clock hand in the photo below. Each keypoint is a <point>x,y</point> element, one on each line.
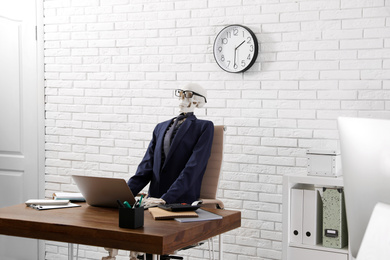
<point>240,45</point>
<point>235,51</point>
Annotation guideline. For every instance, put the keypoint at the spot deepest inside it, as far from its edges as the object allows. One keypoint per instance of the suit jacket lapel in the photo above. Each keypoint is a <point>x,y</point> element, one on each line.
<point>179,135</point>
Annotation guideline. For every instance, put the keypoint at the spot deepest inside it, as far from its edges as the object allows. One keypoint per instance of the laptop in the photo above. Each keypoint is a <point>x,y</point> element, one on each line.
<point>104,192</point>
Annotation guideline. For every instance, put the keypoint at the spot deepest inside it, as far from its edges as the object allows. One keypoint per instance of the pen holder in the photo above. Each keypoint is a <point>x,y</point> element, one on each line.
<point>131,218</point>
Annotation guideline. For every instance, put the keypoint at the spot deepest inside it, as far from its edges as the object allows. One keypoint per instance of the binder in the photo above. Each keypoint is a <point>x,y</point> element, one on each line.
<point>335,233</point>
<point>296,211</point>
<point>312,217</point>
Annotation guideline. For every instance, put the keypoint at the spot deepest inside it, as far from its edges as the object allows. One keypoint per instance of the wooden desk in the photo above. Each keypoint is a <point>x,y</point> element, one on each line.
<point>99,227</point>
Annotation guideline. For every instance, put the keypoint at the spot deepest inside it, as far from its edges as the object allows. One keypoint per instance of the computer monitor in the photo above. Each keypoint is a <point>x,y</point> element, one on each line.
<point>365,157</point>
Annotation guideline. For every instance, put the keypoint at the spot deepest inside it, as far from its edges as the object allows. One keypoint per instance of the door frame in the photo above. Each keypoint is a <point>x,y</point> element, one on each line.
<point>40,111</point>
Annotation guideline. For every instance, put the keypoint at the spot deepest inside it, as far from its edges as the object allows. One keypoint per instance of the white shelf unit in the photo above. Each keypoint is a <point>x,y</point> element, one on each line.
<point>295,251</point>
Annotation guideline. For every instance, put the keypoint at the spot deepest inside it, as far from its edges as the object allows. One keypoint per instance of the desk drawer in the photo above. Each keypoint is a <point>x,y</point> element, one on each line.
<point>303,254</point>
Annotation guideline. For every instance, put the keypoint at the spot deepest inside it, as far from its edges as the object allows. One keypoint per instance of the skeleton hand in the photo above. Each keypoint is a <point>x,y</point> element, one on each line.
<point>150,202</point>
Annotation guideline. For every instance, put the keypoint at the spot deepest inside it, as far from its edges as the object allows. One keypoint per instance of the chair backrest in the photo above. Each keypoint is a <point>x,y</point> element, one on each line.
<point>211,176</point>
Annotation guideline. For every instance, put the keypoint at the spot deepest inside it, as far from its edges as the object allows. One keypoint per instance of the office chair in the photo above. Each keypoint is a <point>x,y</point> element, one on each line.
<point>209,187</point>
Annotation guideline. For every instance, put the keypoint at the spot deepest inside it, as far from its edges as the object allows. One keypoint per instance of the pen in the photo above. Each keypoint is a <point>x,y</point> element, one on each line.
<point>140,201</point>
<point>127,205</point>
<point>34,206</point>
<point>120,203</point>
<point>135,204</point>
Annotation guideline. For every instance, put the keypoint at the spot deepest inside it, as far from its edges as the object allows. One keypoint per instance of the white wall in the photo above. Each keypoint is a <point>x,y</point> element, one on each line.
<point>111,67</point>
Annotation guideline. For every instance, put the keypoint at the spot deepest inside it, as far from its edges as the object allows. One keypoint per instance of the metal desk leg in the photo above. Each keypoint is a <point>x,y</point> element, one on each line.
<point>154,257</point>
<point>70,251</point>
<point>220,247</point>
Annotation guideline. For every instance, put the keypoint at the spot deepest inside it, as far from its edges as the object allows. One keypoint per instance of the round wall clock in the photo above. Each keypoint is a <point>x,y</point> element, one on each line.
<point>235,48</point>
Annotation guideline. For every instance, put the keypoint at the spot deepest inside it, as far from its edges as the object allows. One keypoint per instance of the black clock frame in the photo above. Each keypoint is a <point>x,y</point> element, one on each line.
<point>256,45</point>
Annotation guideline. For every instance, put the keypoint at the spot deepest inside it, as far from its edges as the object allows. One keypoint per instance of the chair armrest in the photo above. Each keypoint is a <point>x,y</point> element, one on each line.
<point>214,203</point>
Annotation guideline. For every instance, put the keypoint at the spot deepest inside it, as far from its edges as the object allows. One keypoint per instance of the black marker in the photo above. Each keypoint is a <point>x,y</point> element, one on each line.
<point>120,203</point>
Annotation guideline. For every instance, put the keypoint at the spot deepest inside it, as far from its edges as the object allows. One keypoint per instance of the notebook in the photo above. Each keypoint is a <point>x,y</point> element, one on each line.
<point>158,213</point>
<point>40,204</point>
<point>203,215</point>
<point>102,191</point>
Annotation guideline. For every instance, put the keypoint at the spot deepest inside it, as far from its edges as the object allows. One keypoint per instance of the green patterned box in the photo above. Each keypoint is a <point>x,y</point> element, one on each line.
<point>334,229</point>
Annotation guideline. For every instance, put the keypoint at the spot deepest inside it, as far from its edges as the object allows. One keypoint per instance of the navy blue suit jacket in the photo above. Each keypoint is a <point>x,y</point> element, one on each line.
<point>180,178</point>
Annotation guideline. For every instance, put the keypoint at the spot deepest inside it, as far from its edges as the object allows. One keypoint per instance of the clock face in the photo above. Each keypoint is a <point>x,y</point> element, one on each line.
<point>235,48</point>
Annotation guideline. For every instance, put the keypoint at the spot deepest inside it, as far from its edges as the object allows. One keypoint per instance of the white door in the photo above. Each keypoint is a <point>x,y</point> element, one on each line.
<point>19,117</point>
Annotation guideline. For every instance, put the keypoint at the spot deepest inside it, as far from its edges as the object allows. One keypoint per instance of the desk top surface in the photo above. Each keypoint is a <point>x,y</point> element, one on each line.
<point>99,227</point>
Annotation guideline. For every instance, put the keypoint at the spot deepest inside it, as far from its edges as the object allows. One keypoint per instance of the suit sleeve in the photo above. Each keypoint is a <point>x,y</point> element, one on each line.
<point>195,166</point>
<point>144,171</point>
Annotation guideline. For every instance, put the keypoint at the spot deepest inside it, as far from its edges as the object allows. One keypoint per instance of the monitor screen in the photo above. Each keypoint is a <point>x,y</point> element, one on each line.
<point>365,156</point>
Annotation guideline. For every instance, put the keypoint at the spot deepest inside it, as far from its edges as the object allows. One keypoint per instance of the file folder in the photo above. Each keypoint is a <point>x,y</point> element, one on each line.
<point>159,214</point>
<point>335,233</point>
<point>296,211</point>
<point>312,217</point>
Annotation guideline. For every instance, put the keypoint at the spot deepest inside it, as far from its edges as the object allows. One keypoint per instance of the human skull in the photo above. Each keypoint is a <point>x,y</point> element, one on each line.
<point>198,99</point>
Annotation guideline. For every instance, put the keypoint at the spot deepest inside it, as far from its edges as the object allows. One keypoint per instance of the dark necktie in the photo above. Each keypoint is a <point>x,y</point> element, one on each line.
<point>168,135</point>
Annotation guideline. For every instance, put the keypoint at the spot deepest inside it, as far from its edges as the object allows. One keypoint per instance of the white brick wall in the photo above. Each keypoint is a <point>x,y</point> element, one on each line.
<point>111,67</point>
